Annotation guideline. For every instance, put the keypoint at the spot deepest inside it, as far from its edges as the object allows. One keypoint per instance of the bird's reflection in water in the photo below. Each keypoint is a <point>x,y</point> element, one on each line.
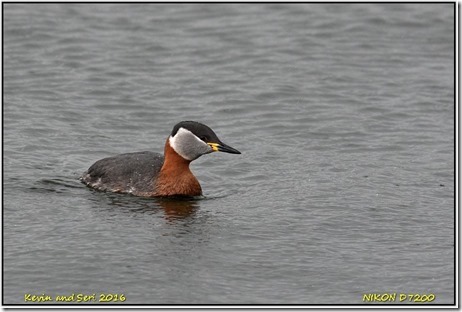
<point>178,208</point>
<point>175,208</point>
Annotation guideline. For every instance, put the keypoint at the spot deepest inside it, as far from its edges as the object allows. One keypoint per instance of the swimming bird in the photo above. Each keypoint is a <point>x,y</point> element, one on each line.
<point>150,174</point>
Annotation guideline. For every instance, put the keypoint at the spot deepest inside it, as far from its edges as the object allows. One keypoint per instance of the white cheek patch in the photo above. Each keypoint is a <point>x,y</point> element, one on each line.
<point>184,143</point>
<point>175,145</point>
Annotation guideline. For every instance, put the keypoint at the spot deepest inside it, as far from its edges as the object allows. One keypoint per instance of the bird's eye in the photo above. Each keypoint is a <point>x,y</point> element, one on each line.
<point>203,138</point>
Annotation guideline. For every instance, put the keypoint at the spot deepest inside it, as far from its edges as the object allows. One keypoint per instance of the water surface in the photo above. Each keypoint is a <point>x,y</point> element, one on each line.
<point>344,115</point>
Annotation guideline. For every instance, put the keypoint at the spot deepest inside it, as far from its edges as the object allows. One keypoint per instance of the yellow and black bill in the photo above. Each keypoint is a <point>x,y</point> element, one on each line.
<point>222,147</point>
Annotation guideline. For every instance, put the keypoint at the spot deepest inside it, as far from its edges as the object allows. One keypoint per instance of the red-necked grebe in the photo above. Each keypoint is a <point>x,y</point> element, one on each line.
<point>150,174</point>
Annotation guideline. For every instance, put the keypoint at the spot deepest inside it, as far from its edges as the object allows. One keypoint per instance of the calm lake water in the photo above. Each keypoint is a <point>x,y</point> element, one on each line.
<point>344,114</point>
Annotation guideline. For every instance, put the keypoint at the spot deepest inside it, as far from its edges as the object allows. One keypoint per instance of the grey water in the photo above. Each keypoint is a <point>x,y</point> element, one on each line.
<point>344,114</point>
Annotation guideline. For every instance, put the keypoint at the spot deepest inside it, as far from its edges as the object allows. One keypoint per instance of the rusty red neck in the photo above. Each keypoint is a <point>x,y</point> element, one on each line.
<point>175,177</point>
